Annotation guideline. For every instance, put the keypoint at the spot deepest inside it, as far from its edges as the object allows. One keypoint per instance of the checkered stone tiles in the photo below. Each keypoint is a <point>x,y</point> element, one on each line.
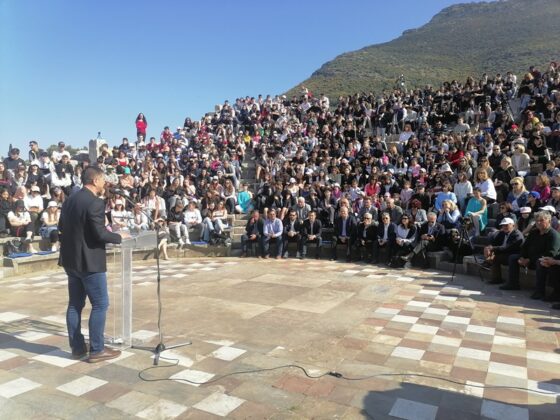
<point>457,344</point>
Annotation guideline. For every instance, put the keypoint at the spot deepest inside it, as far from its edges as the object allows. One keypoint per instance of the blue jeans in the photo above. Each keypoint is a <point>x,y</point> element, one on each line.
<point>266,245</point>
<point>94,286</point>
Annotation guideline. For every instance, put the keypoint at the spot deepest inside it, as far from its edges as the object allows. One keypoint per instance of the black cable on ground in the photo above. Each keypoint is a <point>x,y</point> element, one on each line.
<point>334,374</point>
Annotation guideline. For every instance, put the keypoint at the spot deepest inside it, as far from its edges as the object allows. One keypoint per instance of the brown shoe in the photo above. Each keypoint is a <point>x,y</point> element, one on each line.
<point>106,354</point>
<point>79,354</point>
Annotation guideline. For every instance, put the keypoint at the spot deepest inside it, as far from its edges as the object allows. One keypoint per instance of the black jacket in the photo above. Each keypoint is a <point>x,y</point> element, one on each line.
<point>83,233</point>
<point>437,230</point>
<point>351,227</point>
<point>315,203</point>
<point>423,198</point>
<point>537,245</point>
<point>513,243</point>
<point>324,203</point>
<point>5,207</point>
<point>317,228</point>
<point>250,226</point>
<point>175,216</point>
<point>370,230</point>
<point>391,233</point>
<point>298,225</point>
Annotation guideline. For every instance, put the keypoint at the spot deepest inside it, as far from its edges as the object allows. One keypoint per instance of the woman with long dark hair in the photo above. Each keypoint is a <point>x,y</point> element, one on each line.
<point>141,127</point>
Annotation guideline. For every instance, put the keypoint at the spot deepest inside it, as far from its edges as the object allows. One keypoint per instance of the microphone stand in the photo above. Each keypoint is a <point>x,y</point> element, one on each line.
<point>160,347</point>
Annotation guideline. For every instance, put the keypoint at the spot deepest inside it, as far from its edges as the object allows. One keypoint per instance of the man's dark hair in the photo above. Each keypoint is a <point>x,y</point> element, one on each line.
<point>90,174</point>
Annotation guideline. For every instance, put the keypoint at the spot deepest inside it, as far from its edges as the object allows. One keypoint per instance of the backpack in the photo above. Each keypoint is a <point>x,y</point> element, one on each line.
<point>13,246</point>
<point>219,239</point>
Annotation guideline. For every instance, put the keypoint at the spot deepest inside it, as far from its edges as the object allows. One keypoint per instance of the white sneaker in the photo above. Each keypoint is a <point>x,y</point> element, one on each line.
<point>187,242</point>
<point>54,248</point>
<point>181,243</point>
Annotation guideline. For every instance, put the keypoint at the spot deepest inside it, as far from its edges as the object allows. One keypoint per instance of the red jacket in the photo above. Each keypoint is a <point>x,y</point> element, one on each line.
<point>141,127</point>
<point>454,158</point>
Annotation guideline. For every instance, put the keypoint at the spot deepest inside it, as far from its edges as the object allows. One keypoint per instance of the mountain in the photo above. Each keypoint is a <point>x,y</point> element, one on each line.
<point>461,40</point>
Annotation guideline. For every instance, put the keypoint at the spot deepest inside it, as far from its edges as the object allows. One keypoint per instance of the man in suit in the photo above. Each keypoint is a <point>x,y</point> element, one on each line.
<point>293,227</point>
<point>345,229</point>
<point>82,254</point>
<point>253,234</point>
<point>367,235</point>
<point>431,234</point>
<point>386,236</point>
<point>312,229</point>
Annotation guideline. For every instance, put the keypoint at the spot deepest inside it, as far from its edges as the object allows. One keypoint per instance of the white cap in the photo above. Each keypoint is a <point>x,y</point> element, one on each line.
<point>445,168</point>
<point>525,210</point>
<point>507,221</point>
<point>292,180</point>
<point>548,208</point>
<point>52,204</point>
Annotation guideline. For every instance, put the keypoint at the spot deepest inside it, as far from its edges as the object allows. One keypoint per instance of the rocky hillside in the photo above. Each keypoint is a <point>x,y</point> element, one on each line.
<point>461,40</point>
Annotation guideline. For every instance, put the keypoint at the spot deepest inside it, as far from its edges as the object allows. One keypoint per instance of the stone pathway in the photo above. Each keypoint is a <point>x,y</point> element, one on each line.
<point>423,348</point>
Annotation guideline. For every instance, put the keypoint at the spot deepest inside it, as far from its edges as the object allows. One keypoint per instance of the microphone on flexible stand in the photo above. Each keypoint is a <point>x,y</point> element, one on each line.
<point>118,191</point>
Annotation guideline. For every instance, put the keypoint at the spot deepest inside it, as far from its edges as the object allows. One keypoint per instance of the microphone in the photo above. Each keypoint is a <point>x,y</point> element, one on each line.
<point>118,191</point>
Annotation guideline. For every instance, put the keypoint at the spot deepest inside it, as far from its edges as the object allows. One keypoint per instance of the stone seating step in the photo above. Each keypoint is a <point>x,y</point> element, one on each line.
<point>526,280</point>
<point>25,265</point>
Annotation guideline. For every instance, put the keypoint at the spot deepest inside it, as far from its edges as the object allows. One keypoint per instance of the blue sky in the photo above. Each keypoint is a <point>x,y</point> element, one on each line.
<point>69,69</point>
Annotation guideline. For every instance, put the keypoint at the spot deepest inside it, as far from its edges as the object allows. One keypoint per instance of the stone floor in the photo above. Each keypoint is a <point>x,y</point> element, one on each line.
<point>412,345</point>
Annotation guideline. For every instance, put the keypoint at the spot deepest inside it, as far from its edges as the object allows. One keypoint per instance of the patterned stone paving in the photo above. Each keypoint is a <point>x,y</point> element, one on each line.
<point>424,348</point>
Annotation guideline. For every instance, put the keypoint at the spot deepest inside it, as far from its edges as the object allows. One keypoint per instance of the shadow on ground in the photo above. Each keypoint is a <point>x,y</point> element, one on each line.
<point>416,401</point>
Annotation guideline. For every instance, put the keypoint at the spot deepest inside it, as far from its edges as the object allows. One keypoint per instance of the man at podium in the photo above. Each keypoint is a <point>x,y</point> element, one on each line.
<point>82,254</point>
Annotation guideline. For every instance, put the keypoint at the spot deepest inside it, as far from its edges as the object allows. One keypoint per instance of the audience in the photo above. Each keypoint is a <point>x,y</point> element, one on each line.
<point>485,150</point>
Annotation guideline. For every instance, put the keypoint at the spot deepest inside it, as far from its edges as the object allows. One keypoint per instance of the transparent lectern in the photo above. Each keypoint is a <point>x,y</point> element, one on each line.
<point>118,327</point>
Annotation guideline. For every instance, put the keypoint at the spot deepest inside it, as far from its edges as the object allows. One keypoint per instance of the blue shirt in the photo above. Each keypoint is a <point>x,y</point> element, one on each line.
<point>273,227</point>
<point>444,196</point>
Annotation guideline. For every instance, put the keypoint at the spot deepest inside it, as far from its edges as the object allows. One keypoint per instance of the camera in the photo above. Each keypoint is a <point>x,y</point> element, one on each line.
<point>468,223</point>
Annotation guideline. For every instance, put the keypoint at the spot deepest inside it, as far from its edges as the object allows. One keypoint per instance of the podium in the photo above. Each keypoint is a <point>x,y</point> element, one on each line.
<point>118,328</point>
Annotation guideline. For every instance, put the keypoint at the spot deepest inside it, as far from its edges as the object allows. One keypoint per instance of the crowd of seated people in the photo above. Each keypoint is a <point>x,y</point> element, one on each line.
<point>390,176</point>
